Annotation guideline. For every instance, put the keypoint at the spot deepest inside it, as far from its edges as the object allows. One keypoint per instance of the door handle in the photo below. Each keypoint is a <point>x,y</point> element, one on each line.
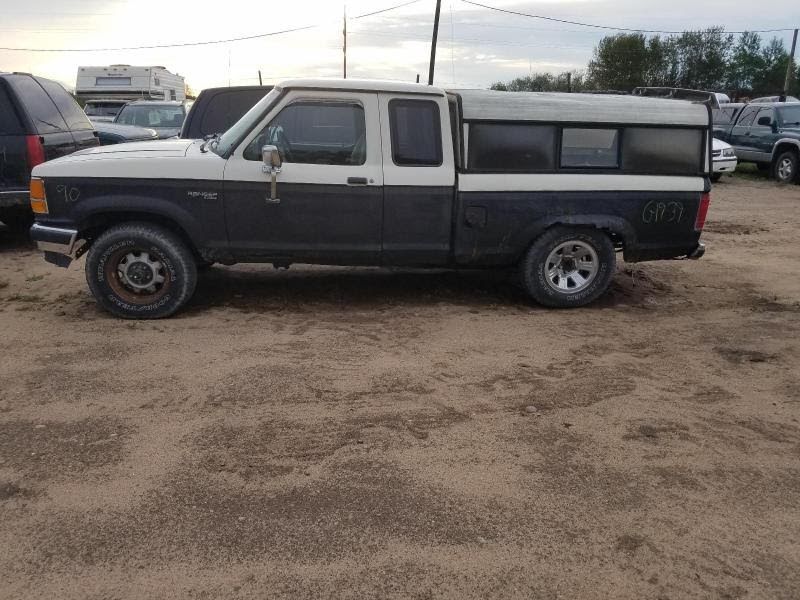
<point>356,181</point>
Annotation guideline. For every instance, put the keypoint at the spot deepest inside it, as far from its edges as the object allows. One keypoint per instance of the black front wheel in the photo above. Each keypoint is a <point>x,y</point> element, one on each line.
<point>568,267</point>
<point>141,271</point>
<point>785,168</point>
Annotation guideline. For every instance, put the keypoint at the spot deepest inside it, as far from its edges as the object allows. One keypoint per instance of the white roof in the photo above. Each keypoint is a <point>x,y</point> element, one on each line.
<point>580,108</point>
<point>372,85</point>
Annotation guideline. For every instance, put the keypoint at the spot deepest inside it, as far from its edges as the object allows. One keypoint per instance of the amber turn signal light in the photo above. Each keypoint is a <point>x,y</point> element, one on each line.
<point>38,199</point>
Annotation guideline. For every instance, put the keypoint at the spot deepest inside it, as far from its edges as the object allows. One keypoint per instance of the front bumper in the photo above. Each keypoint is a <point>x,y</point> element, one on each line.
<point>59,244</point>
<point>727,165</point>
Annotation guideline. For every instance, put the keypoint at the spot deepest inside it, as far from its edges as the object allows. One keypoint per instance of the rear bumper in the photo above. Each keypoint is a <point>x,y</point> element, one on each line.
<point>59,244</point>
<point>19,197</point>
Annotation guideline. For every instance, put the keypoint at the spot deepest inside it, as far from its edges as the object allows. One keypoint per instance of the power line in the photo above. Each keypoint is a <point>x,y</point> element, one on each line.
<point>553,19</point>
<point>203,43</point>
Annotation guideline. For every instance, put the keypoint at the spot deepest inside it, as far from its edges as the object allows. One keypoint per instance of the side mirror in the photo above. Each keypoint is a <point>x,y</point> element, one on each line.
<point>271,157</point>
<point>272,165</point>
<point>765,121</point>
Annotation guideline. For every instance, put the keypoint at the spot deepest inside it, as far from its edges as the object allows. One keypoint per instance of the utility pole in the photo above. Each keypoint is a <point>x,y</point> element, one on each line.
<point>344,45</point>
<point>259,78</point>
<point>432,66</point>
<point>790,67</point>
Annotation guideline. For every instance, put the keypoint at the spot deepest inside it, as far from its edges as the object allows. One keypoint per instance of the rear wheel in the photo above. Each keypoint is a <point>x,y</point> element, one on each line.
<point>785,168</point>
<point>715,177</point>
<point>568,267</point>
<point>141,271</point>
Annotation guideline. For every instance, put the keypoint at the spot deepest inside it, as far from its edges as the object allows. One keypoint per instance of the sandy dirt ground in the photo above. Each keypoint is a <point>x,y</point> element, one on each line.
<point>356,433</point>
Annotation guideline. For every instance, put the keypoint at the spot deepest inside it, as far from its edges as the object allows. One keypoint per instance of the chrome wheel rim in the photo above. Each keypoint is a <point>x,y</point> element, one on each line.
<point>139,273</point>
<point>571,267</point>
<point>785,169</point>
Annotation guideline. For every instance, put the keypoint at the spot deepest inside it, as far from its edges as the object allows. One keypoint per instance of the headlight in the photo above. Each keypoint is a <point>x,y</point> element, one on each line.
<point>729,153</point>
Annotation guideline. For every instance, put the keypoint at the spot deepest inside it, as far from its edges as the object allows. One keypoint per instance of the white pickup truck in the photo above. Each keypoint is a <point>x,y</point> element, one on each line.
<point>384,173</point>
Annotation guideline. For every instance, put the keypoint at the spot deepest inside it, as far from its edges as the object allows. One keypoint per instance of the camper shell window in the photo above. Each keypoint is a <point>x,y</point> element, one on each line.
<point>516,147</point>
<point>585,148</point>
<point>511,147</point>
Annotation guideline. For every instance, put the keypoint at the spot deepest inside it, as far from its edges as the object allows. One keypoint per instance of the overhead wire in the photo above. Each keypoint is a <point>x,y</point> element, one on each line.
<point>608,27</point>
<point>206,42</point>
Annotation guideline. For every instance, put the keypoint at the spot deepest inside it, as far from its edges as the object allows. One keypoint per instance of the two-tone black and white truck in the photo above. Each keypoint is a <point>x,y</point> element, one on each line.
<point>350,172</point>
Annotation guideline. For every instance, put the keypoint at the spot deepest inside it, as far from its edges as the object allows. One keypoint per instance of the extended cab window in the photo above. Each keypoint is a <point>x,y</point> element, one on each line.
<point>416,133</point>
<point>38,104</point>
<point>662,151</point>
<point>512,147</point>
<point>590,148</point>
<point>317,133</point>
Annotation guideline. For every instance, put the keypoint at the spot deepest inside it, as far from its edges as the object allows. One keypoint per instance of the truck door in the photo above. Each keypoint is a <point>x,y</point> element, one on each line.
<point>741,134</point>
<point>329,190</point>
<point>763,136</point>
<point>419,179</point>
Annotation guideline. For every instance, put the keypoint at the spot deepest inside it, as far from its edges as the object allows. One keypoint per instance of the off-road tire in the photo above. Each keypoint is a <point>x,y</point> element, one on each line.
<point>177,268</point>
<point>534,268</point>
<point>786,162</point>
<point>715,177</point>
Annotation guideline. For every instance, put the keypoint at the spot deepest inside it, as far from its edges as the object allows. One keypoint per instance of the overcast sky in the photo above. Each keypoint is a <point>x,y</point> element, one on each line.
<point>476,46</point>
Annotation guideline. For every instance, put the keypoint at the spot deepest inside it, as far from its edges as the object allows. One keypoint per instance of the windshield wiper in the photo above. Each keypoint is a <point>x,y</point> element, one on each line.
<point>208,140</point>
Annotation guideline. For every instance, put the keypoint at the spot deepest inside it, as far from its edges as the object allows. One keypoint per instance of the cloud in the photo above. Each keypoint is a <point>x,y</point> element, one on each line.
<point>476,46</point>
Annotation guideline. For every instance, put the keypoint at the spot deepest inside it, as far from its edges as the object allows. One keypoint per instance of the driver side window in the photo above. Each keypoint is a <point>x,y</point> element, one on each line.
<point>315,132</point>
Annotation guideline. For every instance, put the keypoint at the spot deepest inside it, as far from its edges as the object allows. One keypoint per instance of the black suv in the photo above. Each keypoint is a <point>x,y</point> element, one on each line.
<point>39,121</point>
<point>216,109</point>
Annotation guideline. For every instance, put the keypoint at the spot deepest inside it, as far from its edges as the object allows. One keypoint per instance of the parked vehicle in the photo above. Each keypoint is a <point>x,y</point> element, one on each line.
<point>216,109</point>
<point>39,121</point>
<point>356,172</point>
<point>114,133</point>
<point>776,99</point>
<point>165,117</point>
<point>714,99</point>
<point>103,110</point>
<point>767,134</point>
<point>724,158</point>
<point>126,82</point>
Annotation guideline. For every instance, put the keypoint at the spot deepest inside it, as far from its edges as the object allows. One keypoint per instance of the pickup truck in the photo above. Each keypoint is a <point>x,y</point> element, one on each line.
<point>358,172</point>
<point>216,109</point>
<point>764,133</point>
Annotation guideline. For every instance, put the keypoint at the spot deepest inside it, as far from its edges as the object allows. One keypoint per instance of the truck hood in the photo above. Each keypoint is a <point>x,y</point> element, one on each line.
<point>157,159</point>
<point>149,149</point>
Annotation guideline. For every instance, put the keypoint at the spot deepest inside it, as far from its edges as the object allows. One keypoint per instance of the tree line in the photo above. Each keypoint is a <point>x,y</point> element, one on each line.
<point>706,60</point>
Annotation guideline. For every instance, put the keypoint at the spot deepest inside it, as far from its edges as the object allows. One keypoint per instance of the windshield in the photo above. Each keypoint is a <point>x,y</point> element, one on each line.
<point>239,129</point>
<point>152,115</point>
<point>790,116</point>
<point>102,110</point>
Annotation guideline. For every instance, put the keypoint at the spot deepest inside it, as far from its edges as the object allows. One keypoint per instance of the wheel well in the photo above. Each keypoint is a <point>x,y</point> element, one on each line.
<point>94,226</point>
<point>616,238</point>
<point>781,148</point>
